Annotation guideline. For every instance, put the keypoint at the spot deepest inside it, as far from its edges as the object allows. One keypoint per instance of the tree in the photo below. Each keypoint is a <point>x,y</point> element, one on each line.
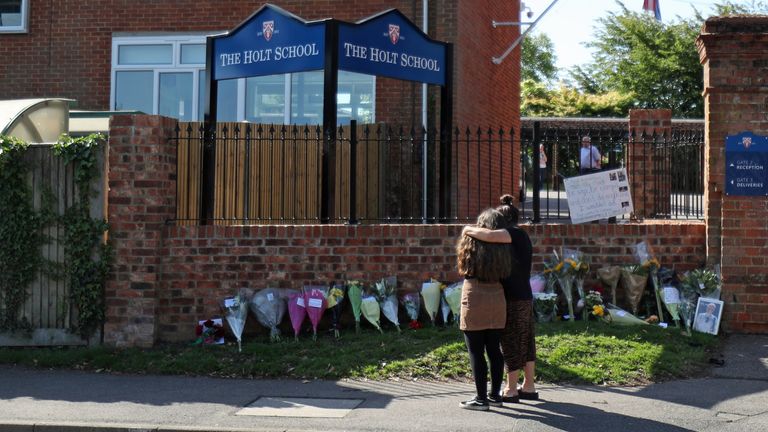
<point>657,63</point>
<point>538,59</point>
<point>540,101</point>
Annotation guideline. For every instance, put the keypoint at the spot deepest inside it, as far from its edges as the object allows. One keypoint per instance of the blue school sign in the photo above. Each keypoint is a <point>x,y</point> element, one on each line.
<point>746,160</point>
<point>273,41</point>
<point>390,45</point>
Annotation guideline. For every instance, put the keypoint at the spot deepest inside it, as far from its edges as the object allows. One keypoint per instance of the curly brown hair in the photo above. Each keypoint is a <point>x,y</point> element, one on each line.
<point>485,261</point>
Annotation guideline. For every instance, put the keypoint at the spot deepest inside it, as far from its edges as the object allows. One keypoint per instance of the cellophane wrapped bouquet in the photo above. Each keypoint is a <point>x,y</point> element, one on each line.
<point>297,311</point>
<point>634,278</point>
<point>369,306</point>
<point>452,296</point>
<point>235,312</point>
<point>610,276</point>
<point>269,306</point>
<point>694,284</point>
<point>570,268</point>
<point>355,294</point>
<point>593,304</point>
<point>335,302</point>
<point>647,260</point>
<point>386,294</point>
<point>545,306</point>
<point>430,293</point>
<point>412,304</point>
<point>315,298</point>
<point>615,315</point>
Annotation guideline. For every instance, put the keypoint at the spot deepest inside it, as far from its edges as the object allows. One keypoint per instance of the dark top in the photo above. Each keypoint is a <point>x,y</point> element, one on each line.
<point>518,285</point>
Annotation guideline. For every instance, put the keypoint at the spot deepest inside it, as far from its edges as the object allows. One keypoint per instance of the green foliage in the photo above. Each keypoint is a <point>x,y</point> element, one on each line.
<point>655,62</point>
<point>538,59</point>
<point>538,100</point>
<point>578,352</point>
<point>20,234</point>
<point>86,254</point>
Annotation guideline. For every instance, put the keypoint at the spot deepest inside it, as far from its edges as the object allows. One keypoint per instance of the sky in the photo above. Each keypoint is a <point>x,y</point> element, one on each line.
<point>570,23</point>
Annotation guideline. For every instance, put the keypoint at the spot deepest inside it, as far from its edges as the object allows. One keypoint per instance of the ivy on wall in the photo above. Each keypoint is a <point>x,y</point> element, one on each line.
<point>20,235</point>
<point>87,256</point>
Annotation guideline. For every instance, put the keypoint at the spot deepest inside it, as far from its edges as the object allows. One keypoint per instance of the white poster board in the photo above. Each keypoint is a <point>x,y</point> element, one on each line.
<point>597,196</point>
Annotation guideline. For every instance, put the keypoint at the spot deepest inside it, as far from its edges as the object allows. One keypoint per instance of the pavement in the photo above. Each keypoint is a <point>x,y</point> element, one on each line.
<point>732,397</point>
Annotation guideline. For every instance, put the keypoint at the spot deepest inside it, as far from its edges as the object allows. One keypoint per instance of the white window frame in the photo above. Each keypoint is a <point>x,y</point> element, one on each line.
<point>24,27</point>
<point>177,41</point>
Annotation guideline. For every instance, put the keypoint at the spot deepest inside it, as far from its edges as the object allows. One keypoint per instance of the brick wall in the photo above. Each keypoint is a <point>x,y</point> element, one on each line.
<point>67,51</point>
<point>732,50</point>
<point>202,265</point>
<point>141,198</point>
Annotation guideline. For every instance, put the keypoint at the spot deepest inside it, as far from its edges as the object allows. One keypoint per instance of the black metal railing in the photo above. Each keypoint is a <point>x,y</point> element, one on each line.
<point>374,174</point>
<point>665,170</point>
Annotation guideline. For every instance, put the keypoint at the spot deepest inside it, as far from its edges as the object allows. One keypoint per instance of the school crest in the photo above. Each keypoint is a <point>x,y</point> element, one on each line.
<point>268,28</point>
<point>394,33</point>
<point>746,142</point>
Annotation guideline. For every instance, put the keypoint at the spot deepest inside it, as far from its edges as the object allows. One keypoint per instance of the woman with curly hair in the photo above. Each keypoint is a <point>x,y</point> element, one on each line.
<point>483,312</point>
<point>518,338</point>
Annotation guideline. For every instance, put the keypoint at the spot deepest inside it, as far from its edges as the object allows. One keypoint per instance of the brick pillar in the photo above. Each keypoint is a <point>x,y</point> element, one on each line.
<point>650,182</point>
<point>733,52</point>
<point>142,196</point>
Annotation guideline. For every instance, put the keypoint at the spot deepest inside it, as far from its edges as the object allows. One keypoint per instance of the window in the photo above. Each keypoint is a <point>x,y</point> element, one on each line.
<point>166,75</point>
<point>14,16</point>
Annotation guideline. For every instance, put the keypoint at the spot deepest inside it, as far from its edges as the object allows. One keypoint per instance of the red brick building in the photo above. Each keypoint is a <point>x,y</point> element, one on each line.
<point>150,56</point>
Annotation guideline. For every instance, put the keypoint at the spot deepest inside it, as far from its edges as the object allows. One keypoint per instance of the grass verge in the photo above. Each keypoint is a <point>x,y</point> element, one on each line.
<point>593,353</point>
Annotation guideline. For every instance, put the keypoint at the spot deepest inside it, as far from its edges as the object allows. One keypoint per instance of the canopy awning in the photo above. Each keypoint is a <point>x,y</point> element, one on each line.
<point>34,120</point>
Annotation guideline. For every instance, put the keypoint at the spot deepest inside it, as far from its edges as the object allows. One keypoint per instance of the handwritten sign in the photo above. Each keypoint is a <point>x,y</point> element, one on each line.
<point>598,196</point>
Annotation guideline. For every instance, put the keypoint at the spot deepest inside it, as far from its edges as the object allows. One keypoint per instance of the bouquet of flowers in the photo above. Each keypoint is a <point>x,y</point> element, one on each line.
<point>538,284</point>
<point>430,292</point>
<point>355,294</point>
<point>672,302</point>
<point>452,295</point>
<point>616,315</point>
<point>316,303</point>
<point>386,294</point>
<point>412,304</point>
<point>544,306</point>
<point>269,307</point>
<point>335,300</point>
<point>209,332</point>
<point>297,311</point>
<point>371,310</point>
<point>703,282</point>
<point>593,303</point>
<point>610,277</point>
<point>571,270</point>
<point>688,299</point>
<point>235,312</point>
<point>645,256</point>
<point>634,278</point>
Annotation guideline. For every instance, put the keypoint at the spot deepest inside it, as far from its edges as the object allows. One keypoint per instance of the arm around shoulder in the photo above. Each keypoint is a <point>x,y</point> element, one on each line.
<point>487,235</point>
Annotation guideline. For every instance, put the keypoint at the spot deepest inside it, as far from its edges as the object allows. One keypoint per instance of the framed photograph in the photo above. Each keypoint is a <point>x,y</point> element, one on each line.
<point>708,313</point>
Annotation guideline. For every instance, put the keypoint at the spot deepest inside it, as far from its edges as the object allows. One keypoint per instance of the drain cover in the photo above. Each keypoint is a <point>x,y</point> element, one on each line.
<point>300,407</point>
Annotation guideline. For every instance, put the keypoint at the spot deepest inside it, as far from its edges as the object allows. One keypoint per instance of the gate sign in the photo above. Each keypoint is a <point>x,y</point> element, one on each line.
<point>271,41</point>
<point>746,160</point>
<point>388,44</point>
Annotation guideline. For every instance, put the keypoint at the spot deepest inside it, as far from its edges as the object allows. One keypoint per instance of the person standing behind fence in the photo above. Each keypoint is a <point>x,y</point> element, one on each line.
<point>589,158</point>
<point>483,311</point>
<point>518,343</point>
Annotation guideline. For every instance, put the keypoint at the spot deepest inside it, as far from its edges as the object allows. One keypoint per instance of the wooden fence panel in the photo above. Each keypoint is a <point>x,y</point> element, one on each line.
<point>47,307</point>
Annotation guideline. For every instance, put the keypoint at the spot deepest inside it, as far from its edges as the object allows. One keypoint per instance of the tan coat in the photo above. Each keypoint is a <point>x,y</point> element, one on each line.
<point>483,306</point>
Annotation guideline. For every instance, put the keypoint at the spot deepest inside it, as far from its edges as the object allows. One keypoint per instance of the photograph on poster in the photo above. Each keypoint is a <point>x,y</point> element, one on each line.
<point>708,313</point>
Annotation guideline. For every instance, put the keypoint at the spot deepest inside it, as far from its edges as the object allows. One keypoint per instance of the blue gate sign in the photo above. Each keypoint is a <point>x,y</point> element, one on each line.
<point>746,160</point>
<point>389,44</point>
<point>271,41</point>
